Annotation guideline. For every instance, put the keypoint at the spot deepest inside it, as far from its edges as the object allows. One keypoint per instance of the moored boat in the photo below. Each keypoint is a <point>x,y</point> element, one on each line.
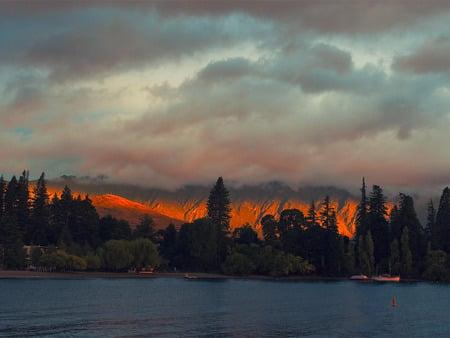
<point>386,278</point>
<point>360,277</point>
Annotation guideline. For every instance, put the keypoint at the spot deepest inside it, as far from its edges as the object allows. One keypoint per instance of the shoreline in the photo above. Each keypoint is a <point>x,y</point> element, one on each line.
<point>22,274</point>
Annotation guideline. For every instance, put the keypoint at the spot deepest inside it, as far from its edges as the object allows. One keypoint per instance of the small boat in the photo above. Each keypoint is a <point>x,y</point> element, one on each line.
<point>386,278</point>
<point>359,277</point>
<point>188,276</point>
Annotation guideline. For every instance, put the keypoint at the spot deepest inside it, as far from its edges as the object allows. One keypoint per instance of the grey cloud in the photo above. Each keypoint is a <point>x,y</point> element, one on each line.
<point>431,57</point>
<point>118,45</point>
<point>324,16</point>
<point>226,69</point>
<point>25,106</point>
<point>322,68</point>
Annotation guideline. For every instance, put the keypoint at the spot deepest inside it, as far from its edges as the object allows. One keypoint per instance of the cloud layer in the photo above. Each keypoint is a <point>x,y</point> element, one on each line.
<point>169,93</point>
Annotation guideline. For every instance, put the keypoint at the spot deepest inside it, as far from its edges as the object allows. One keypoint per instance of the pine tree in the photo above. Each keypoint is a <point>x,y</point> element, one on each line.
<point>269,228</point>
<point>407,217</point>
<point>325,213</point>
<point>218,206</point>
<point>23,205</point>
<point>395,224</point>
<point>12,254</point>
<point>366,254</point>
<point>311,217</point>
<point>406,265</point>
<point>395,260</point>
<point>441,231</point>
<point>370,251</point>
<point>40,213</point>
<point>11,198</point>
<point>145,229</point>
<point>361,213</point>
<point>219,209</point>
<point>2,196</point>
<point>379,227</point>
<point>431,219</point>
<point>333,223</point>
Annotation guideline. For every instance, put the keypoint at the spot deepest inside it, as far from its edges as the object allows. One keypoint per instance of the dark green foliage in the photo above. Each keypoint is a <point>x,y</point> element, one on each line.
<point>406,255</point>
<point>73,237</point>
<point>168,245</point>
<point>431,220</point>
<point>325,213</point>
<point>116,255</point>
<point>219,206</point>
<point>12,254</point>
<point>198,245</point>
<point>395,259</point>
<point>11,197</point>
<point>311,218</point>
<point>245,235</point>
<point>23,205</point>
<point>61,261</point>
<point>112,228</point>
<point>407,218</point>
<point>437,265</point>
<point>269,228</point>
<point>362,210</point>
<point>73,221</point>
<point>239,264</point>
<point>441,231</point>
<point>366,254</point>
<point>144,254</point>
<point>2,195</point>
<point>145,229</point>
<point>40,213</point>
<point>218,212</point>
<point>379,228</point>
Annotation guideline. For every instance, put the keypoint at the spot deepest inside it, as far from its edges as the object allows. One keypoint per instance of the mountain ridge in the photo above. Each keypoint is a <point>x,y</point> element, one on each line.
<point>249,203</point>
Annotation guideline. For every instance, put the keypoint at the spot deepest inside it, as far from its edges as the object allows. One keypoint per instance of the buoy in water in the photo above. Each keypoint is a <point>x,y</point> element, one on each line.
<point>394,301</point>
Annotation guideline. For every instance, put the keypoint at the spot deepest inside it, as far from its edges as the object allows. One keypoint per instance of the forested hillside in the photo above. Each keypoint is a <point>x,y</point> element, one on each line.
<point>63,231</point>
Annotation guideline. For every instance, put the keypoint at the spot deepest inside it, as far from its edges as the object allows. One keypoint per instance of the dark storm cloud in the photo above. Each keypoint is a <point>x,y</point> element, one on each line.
<point>346,16</point>
<point>112,46</point>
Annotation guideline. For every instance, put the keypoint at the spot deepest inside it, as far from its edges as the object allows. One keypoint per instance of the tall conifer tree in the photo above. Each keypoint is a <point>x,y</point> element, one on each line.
<point>361,213</point>
<point>431,219</point>
<point>441,230</point>
<point>407,218</point>
<point>311,216</point>
<point>23,205</point>
<point>2,195</point>
<point>40,212</point>
<point>219,206</point>
<point>379,227</point>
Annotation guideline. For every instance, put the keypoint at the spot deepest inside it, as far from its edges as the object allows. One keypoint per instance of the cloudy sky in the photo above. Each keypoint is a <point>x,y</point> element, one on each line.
<point>172,92</point>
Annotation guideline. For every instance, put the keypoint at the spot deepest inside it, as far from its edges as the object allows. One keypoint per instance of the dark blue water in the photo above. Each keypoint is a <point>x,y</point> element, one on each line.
<point>171,307</point>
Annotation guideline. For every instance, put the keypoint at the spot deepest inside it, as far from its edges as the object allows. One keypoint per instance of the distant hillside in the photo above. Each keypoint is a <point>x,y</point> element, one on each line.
<point>131,211</point>
<point>249,203</point>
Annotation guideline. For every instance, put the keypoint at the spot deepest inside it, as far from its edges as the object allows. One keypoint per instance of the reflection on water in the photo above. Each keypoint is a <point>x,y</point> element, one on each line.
<point>228,308</point>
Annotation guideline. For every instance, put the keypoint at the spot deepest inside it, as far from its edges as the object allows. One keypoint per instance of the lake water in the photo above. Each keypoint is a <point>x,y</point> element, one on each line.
<point>175,307</point>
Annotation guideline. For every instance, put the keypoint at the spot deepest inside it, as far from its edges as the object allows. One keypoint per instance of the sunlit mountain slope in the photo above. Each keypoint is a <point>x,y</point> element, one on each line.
<point>249,203</point>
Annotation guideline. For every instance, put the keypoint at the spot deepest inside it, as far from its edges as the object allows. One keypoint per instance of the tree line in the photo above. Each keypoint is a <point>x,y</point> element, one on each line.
<point>64,232</point>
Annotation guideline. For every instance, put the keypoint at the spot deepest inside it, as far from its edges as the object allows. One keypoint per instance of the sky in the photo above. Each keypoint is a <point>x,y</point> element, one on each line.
<point>167,93</point>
